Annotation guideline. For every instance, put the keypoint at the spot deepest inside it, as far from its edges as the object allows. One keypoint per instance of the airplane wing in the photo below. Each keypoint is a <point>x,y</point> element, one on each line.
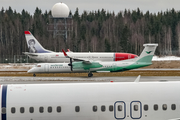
<point>175,119</point>
<point>86,61</point>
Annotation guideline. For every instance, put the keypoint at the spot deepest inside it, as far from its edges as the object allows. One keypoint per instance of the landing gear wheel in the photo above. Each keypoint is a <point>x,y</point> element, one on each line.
<point>34,75</point>
<point>90,75</point>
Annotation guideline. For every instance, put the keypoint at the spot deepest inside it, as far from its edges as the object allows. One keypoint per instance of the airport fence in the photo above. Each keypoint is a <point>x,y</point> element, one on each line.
<point>16,59</point>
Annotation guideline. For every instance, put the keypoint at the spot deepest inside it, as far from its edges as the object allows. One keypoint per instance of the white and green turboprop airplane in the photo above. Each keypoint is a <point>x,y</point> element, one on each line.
<point>85,65</point>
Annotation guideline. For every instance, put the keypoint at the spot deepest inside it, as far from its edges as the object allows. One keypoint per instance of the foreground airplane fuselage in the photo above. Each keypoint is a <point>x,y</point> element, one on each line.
<point>91,101</point>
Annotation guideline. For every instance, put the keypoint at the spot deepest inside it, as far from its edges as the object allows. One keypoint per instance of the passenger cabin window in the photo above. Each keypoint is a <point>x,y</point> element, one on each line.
<point>111,108</point>
<point>58,109</point>
<point>135,107</point>
<point>77,108</point>
<point>146,107</point>
<point>164,106</point>
<point>41,109</point>
<point>155,107</point>
<point>94,108</point>
<point>21,109</point>
<point>13,110</point>
<point>119,107</point>
<point>103,108</point>
<point>173,107</point>
<point>31,110</point>
<point>49,109</point>
<point>3,110</point>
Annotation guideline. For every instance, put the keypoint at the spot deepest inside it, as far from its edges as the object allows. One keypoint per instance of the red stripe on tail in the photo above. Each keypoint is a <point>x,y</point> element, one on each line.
<point>27,32</point>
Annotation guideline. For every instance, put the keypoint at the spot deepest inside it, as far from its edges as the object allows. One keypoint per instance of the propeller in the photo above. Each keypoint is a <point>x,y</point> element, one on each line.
<point>70,64</point>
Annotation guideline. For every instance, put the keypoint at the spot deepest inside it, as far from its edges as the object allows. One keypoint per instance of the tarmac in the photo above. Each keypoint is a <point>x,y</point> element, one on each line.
<point>42,80</point>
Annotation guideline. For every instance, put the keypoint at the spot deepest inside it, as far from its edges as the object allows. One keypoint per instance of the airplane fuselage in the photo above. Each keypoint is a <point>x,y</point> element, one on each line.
<point>91,101</point>
<point>80,67</point>
<point>60,58</point>
<point>37,52</point>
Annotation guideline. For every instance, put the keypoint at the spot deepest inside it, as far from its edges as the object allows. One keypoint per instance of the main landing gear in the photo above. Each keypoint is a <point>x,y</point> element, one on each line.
<point>34,75</point>
<point>90,74</point>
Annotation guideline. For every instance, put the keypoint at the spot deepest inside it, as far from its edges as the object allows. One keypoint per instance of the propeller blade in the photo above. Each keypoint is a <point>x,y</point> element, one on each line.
<point>71,68</point>
<point>71,64</point>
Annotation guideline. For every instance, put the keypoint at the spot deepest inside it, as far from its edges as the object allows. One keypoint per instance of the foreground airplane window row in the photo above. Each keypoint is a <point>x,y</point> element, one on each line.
<point>94,108</point>
<point>31,109</point>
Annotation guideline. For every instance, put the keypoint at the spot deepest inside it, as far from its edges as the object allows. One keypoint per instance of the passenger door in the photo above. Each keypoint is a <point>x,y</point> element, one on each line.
<point>119,110</point>
<point>136,110</point>
<point>114,65</point>
<point>46,68</point>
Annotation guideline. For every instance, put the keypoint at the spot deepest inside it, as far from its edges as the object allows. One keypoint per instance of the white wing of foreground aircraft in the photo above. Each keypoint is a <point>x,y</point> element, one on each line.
<point>85,65</point>
<point>37,52</point>
<point>91,101</point>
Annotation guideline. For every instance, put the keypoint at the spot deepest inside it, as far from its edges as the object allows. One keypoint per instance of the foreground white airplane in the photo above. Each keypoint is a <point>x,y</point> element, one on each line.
<point>37,52</point>
<point>91,101</point>
<point>85,65</point>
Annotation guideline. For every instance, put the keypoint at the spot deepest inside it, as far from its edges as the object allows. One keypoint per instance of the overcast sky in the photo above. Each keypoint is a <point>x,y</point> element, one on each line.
<point>154,6</point>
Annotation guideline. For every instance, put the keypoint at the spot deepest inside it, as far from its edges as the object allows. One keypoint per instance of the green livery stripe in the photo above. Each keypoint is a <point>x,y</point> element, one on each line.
<point>143,62</point>
<point>85,66</point>
<point>137,65</point>
<point>119,69</point>
<point>146,59</point>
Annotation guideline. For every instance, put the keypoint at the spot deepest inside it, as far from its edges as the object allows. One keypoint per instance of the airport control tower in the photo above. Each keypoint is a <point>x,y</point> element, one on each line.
<point>62,20</point>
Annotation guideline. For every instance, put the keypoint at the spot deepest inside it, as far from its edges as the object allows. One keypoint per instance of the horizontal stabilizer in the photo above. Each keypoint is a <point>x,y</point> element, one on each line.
<point>30,54</point>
